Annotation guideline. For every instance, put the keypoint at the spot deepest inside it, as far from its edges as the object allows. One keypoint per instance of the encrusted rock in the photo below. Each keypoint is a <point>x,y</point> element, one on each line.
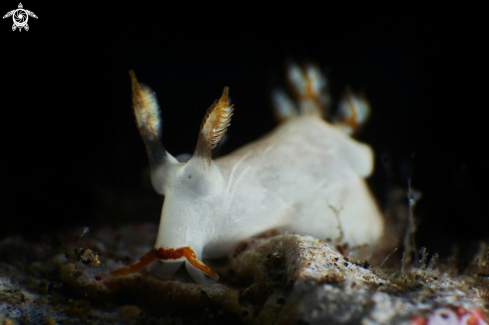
<point>285,279</point>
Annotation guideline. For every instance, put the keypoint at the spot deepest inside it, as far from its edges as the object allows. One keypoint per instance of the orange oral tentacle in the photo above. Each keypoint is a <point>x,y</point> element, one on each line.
<point>143,261</point>
<point>166,254</point>
<point>188,253</point>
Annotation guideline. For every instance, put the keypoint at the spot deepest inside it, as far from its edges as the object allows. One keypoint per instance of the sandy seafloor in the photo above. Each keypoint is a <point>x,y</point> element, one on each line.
<point>281,279</point>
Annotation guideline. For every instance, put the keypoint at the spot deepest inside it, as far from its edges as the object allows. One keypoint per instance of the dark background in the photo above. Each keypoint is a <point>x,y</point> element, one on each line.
<point>71,153</point>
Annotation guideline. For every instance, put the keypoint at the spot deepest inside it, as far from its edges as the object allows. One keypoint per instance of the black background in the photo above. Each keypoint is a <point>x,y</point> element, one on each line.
<point>71,154</point>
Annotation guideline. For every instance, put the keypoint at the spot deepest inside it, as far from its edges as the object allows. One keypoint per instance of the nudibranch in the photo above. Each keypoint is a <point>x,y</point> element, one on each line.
<point>306,176</point>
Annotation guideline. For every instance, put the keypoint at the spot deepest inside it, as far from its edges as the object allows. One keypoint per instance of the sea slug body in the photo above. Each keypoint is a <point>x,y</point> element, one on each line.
<point>306,176</point>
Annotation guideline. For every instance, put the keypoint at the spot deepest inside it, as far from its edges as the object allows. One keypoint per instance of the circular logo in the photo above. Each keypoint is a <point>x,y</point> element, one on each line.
<point>20,17</point>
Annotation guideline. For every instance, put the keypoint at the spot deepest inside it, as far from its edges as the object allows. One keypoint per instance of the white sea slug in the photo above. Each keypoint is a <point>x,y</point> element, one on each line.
<point>306,176</point>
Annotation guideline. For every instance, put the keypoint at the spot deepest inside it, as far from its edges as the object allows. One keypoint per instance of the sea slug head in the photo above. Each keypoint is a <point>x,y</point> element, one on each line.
<point>192,190</point>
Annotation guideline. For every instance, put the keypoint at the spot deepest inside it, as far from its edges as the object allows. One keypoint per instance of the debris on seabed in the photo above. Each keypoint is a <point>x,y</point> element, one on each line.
<point>284,279</point>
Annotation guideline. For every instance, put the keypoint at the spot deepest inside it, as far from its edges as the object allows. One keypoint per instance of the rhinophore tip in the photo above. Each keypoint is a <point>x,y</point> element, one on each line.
<point>146,109</point>
<point>214,125</point>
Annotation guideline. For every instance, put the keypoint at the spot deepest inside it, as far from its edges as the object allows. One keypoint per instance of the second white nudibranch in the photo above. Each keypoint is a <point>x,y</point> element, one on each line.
<point>306,176</point>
